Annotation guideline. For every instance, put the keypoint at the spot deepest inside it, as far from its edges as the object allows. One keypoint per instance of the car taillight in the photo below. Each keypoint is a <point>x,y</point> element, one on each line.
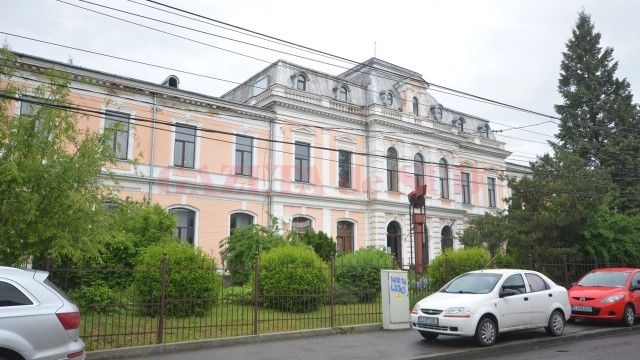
<point>69,321</point>
<point>75,354</point>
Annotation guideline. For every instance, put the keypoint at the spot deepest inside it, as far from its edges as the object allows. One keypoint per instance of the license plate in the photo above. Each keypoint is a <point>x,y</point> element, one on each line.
<point>427,320</point>
<point>582,308</point>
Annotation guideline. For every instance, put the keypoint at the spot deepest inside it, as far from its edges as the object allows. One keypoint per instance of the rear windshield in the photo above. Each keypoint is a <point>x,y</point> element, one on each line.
<point>56,289</point>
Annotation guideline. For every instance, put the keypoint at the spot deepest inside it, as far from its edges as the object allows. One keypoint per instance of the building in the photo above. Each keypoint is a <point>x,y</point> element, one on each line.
<point>335,153</point>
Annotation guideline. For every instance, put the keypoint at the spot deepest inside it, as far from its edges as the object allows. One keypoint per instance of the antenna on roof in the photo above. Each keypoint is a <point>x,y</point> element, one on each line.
<point>374,49</point>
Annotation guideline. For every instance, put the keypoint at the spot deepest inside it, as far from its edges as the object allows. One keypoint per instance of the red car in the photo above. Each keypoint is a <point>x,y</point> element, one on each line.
<point>607,294</point>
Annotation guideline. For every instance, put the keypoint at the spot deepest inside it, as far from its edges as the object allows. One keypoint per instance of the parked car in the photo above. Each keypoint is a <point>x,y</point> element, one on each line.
<point>484,303</point>
<point>607,294</point>
<point>37,320</point>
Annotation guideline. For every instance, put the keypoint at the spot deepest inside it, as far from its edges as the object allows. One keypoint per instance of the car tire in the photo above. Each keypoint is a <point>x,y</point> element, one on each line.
<point>486,332</point>
<point>628,316</point>
<point>556,324</point>
<point>428,335</point>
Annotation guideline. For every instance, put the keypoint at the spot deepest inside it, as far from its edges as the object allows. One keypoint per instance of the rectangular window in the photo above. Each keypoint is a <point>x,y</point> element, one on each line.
<point>466,188</point>
<point>29,109</point>
<point>260,86</point>
<point>244,155</point>
<point>491,183</point>
<point>302,162</point>
<point>344,169</point>
<point>184,153</point>
<point>116,126</point>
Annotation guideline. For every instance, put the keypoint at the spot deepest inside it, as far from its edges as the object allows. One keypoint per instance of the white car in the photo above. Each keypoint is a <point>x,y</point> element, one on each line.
<point>37,321</point>
<point>485,303</point>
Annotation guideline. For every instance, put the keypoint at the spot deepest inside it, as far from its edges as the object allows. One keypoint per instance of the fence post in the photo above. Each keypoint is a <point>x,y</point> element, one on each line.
<point>47,262</point>
<point>565,270</point>
<point>530,262</point>
<point>332,273</point>
<point>446,268</point>
<point>163,295</point>
<point>256,295</point>
<point>595,262</point>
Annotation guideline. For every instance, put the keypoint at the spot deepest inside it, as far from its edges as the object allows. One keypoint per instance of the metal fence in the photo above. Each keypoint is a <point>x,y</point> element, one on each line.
<point>132,307</point>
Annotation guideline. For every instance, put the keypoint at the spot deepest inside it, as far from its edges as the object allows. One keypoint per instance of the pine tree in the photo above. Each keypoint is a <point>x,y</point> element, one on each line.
<point>598,120</point>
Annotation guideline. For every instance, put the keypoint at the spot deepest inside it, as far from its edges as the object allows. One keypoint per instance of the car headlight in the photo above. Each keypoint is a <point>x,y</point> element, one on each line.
<point>458,312</point>
<point>416,309</point>
<point>612,299</point>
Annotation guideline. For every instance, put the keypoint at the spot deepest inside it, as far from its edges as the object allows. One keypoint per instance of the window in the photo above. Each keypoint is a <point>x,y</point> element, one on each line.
<point>185,146</point>
<point>342,93</point>
<point>301,224</point>
<point>484,131</point>
<point>436,112</point>
<point>344,169</point>
<point>446,237</point>
<point>466,188</point>
<point>536,283</point>
<point>514,282</point>
<point>239,221</point>
<point>389,99</point>
<point>29,109</point>
<point>444,179</point>
<point>302,162</point>
<point>259,86</point>
<point>301,82</point>
<point>460,124</point>
<point>418,170</point>
<point>11,296</point>
<point>392,170</point>
<point>116,126</point>
<point>244,154</point>
<point>394,241</point>
<point>344,239</point>
<point>491,186</point>
<point>185,230</point>
<point>415,106</point>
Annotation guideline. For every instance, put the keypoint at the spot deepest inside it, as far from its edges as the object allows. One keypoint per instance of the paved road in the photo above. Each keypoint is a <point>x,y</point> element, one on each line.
<point>391,345</point>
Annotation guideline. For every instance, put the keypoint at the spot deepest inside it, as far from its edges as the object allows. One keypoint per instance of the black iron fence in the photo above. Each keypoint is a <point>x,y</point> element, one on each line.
<point>132,307</point>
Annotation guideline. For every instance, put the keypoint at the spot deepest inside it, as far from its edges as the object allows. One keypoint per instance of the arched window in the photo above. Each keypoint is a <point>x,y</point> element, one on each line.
<point>415,106</point>
<point>392,169</point>
<point>394,241</point>
<point>342,93</point>
<point>301,82</point>
<point>185,231</point>
<point>446,237</point>
<point>239,220</point>
<point>460,124</point>
<point>444,179</point>
<point>418,170</point>
<point>485,131</point>
<point>301,224</point>
<point>389,99</point>
<point>344,239</point>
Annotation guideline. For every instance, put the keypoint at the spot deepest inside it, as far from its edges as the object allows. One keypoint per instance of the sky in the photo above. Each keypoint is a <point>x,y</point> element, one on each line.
<point>504,50</point>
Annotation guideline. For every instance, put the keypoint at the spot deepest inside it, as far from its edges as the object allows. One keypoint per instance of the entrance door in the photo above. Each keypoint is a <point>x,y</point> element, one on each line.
<point>394,241</point>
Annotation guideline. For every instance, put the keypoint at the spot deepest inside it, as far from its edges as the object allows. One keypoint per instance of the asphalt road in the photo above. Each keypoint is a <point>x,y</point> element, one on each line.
<point>408,344</point>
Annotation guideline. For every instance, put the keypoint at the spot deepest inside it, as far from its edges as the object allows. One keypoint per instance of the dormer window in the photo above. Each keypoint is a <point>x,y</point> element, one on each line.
<point>301,82</point>
<point>342,93</point>
<point>484,131</point>
<point>415,106</point>
<point>436,112</point>
<point>171,81</point>
<point>459,123</point>
<point>389,99</point>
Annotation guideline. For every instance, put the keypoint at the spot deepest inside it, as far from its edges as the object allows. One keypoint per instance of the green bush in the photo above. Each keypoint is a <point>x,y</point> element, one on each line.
<point>242,295</point>
<point>321,243</point>
<point>98,298</point>
<point>460,261</point>
<point>192,280</point>
<point>358,273</point>
<point>293,278</point>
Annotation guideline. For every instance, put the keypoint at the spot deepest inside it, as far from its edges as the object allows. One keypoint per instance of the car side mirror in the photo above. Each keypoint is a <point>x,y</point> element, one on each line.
<point>572,284</point>
<point>507,292</point>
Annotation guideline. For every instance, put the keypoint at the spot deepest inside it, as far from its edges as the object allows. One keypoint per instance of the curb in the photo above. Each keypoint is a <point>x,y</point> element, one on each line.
<point>512,347</point>
<point>150,350</point>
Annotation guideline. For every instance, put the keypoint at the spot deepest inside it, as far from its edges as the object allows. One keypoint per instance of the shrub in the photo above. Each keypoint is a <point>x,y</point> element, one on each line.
<point>192,280</point>
<point>97,298</point>
<point>293,278</point>
<point>321,243</point>
<point>242,295</point>
<point>358,273</point>
<point>460,261</point>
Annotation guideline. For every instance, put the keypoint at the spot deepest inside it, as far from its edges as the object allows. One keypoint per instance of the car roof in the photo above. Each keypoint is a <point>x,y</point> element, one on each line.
<point>500,271</point>
<point>16,273</point>
<point>618,269</point>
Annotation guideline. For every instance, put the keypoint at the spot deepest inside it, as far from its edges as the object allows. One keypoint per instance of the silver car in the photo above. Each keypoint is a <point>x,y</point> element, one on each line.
<point>37,321</point>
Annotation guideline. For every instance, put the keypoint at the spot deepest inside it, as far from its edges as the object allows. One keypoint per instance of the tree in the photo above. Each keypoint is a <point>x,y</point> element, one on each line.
<point>50,172</point>
<point>489,231</point>
<point>321,243</point>
<point>598,120</point>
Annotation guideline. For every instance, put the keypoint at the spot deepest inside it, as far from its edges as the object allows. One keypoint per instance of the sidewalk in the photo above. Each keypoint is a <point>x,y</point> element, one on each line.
<point>359,342</point>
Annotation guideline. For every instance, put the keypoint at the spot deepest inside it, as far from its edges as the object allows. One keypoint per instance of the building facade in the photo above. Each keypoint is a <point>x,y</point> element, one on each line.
<point>333,153</point>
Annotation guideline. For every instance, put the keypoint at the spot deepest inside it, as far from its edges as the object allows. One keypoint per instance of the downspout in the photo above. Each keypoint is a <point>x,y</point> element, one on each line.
<point>270,188</point>
<point>368,182</point>
<point>153,146</point>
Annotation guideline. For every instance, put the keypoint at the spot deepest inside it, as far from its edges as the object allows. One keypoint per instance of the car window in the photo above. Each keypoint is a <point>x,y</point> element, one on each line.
<point>11,296</point>
<point>514,282</point>
<point>536,283</point>
<point>636,279</point>
<point>473,283</point>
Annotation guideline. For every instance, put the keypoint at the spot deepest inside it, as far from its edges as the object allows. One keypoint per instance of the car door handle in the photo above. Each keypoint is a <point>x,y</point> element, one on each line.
<point>526,299</point>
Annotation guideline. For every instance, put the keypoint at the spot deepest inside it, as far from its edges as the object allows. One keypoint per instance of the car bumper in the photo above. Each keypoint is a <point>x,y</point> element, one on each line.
<point>599,311</point>
<point>447,325</point>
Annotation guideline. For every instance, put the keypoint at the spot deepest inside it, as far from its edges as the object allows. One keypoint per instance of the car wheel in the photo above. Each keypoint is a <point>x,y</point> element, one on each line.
<point>629,316</point>
<point>556,324</point>
<point>486,332</point>
<point>428,335</point>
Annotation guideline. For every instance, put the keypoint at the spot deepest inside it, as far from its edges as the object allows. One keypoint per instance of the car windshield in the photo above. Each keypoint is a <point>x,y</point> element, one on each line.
<point>472,283</point>
<point>605,279</point>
